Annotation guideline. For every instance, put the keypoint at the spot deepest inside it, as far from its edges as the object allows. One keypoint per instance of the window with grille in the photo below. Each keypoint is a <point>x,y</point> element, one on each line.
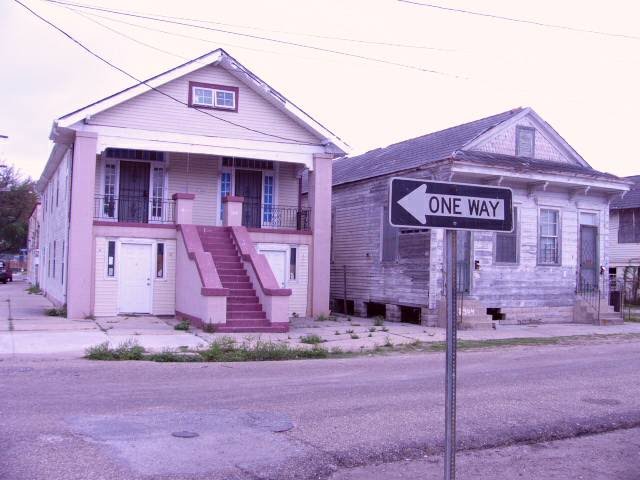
<point>247,163</point>
<point>549,237</point>
<point>221,97</point>
<point>507,243</point>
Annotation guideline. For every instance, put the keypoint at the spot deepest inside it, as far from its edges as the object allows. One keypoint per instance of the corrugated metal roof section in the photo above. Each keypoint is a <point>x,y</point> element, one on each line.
<point>414,152</point>
<point>632,198</point>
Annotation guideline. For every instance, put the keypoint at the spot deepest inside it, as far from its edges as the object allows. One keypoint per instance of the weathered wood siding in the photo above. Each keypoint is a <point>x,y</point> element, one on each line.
<point>621,254</point>
<point>505,143</point>
<point>526,291</point>
<point>154,111</point>
<point>359,210</point>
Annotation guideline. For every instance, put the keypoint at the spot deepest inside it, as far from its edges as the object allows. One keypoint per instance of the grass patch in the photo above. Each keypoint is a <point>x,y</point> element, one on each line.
<point>127,350</point>
<point>312,339</point>
<point>169,355</point>
<point>355,336</point>
<point>56,312</point>
<point>34,290</point>
<point>226,349</point>
<point>183,325</point>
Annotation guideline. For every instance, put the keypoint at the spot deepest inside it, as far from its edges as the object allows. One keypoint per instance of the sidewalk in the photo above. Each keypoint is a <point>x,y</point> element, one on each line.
<point>26,329</point>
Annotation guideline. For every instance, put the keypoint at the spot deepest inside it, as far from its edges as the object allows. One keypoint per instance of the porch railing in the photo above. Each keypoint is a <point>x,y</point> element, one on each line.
<point>256,215</point>
<point>133,209</point>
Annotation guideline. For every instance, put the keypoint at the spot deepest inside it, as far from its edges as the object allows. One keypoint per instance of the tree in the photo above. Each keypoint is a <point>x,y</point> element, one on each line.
<point>17,200</point>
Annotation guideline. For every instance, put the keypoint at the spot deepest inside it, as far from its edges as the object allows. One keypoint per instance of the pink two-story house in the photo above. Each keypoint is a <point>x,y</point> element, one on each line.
<point>181,196</point>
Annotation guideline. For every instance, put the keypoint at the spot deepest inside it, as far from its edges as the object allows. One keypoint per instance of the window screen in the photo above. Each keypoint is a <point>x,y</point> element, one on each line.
<point>507,243</point>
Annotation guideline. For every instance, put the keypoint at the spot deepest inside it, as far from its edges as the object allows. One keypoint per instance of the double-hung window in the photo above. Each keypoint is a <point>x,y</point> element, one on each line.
<point>549,237</point>
<point>213,96</point>
<point>629,225</point>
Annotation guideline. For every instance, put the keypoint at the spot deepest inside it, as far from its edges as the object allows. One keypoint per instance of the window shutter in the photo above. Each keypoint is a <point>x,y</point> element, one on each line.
<point>389,238</point>
<point>507,243</point>
<point>525,138</point>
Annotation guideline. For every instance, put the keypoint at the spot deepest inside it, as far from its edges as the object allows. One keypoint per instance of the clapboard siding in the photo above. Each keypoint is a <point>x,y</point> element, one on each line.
<point>621,254</point>
<point>287,185</point>
<point>197,174</point>
<point>164,289</point>
<point>154,111</point>
<point>106,288</point>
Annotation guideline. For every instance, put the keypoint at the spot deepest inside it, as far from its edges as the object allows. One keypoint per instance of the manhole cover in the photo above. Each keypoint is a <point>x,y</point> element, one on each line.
<point>185,434</point>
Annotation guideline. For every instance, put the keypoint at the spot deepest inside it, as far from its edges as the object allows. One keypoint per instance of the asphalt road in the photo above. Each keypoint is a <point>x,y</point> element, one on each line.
<point>75,419</point>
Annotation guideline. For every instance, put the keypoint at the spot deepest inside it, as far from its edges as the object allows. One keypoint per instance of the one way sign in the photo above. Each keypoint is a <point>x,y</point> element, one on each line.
<point>423,203</point>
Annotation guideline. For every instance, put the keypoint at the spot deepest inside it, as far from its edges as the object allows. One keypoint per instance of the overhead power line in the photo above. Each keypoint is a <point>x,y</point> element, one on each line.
<point>145,82</point>
<point>259,37</point>
<point>302,34</point>
<point>167,32</point>
<point>522,20</point>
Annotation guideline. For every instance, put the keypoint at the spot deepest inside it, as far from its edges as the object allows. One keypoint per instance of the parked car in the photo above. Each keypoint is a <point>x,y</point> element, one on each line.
<point>5,272</point>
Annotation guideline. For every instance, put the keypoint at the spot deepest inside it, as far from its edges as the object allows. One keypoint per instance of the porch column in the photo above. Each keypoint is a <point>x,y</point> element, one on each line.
<point>232,211</point>
<point>81,258</point>
<point>184,208</point>
<point>320,203</point>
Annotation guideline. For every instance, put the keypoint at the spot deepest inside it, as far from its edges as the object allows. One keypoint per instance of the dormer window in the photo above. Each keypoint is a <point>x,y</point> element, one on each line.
<point>219,97</point>
<point>525,141</point>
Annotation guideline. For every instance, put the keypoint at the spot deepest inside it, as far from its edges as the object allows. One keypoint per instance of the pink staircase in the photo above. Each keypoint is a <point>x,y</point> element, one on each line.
<point>244,311</point>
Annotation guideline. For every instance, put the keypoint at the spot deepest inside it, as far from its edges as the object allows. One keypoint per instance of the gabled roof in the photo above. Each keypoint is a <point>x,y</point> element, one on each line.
<point>631,198</point>
<point>416,151</point>
<point>218,57</point>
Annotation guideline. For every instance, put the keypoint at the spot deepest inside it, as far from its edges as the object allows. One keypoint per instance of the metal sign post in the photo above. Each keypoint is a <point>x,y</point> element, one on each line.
<point>451,250</point>
<point>415,203</point>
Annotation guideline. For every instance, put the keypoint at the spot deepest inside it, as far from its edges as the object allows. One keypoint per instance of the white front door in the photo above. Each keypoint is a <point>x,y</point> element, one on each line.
<point>278,262</point>
<point>135,278</point>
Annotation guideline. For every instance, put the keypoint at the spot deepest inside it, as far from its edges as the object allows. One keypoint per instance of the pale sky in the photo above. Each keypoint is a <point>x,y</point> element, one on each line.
<point>586,86</point>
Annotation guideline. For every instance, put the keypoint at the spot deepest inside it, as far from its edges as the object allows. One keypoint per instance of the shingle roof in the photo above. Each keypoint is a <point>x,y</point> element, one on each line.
<point>414,152</point>
<point>632,198</point>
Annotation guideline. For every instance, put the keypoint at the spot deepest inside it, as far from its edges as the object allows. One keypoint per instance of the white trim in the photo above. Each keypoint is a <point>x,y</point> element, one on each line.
<point>562,180</point>
<point>135,139</point>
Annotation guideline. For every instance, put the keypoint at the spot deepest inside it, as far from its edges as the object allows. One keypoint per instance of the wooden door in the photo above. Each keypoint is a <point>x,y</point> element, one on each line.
<point>134,278</point>
<point>133,201</point>
<point>249,186</point>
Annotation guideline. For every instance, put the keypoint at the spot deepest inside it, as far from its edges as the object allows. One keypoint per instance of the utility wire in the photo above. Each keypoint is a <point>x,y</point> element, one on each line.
<point>286,32</point>
<point>176,34</point>
<point>145,82</point>
<point>522,20</point>
<point>259,37</point>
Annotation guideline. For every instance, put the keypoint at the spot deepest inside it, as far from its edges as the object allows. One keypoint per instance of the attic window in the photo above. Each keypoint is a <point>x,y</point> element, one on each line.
<point>219,97</point>
<point>525,141</point>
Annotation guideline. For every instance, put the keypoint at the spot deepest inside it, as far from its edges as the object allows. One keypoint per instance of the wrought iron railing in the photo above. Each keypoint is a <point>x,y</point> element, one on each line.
<point>590,293</point>
<point>256,215</point>
<point>133,209</point>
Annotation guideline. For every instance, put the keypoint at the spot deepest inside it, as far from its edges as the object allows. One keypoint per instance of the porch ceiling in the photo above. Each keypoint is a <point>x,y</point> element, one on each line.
<point>115,137</point>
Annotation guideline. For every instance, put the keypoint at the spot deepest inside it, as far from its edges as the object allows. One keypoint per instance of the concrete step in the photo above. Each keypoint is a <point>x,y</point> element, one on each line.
<point>240,278</point>
<point>244,307</point>
<point>238,285</point>
<point>233,315</point>
<point>242,300</point>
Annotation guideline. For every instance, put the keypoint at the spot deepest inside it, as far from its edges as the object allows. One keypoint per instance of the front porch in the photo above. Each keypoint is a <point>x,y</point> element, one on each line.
<point>138,187</point>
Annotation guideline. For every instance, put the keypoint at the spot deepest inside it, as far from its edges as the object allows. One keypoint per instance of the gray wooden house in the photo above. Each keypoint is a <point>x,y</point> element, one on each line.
<point>624,240</point>
<point>533,275</point>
